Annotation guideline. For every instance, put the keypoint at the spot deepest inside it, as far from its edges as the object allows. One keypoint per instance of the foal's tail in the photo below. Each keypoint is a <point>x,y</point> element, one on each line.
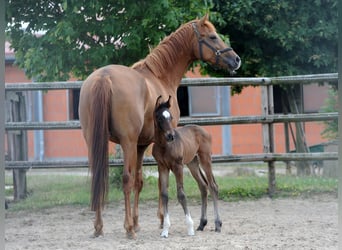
<point>99,130</point>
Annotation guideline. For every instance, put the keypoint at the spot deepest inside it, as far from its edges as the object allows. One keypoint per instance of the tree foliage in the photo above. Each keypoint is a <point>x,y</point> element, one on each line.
<point>331,105</point>
<point>77,36</point>
<point>282,37</point>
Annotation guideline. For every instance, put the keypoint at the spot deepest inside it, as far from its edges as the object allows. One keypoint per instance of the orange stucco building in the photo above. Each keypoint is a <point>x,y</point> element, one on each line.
<point>57,105</point>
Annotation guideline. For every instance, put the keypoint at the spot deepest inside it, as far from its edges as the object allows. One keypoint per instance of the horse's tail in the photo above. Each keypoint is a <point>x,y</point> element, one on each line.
<point>99,130</point>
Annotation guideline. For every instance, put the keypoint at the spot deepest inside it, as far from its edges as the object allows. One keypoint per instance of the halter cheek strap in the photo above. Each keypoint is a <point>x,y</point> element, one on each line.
<point>202,41</point>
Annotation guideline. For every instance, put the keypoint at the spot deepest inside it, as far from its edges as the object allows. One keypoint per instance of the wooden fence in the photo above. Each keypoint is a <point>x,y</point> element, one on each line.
<point>267,119</point>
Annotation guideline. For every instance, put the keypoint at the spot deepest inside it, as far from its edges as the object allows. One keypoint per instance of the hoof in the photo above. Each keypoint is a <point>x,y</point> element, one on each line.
<point>202,224</point>
<point>218,226</point>
<point>137,228</point>
<point>191,232</point>
<point>164,234</point>
<point>97,234</point>
<point>131,235</point>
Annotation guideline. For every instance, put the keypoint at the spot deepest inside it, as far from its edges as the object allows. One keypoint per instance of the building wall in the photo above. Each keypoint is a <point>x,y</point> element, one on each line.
<point>15,75</point>
<point>245,139</point>
<point>61,143</point>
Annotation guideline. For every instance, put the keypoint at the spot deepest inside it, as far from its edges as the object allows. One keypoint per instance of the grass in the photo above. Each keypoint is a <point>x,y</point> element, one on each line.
<point>53,190</point>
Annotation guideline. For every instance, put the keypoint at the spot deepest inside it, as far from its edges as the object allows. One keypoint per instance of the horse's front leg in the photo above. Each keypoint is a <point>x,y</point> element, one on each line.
<point>138,185</point>
<point>130,161</point>
<point>178,172</point>
<point>163,183</point>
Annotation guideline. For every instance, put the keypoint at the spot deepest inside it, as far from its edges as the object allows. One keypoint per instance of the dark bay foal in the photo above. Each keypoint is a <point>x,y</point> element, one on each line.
<point>174,147</point>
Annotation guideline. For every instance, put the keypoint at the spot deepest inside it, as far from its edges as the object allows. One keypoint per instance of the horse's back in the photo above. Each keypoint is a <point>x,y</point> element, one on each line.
<point>129,95</point>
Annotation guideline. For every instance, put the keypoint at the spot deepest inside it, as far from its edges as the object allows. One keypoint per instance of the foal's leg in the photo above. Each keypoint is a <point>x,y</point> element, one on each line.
<point>202,185</point>
<point>138,184</point>
<point>163,183</point>
<point>205,160</point>
<point>178,172</point>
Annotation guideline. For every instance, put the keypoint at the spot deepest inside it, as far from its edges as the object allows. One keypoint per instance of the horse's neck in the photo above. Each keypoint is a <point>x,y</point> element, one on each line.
<point>177,73</point>
<point>175,55</point>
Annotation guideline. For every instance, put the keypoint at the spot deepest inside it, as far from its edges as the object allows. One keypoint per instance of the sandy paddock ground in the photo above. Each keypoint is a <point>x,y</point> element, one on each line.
<point>300,223</point>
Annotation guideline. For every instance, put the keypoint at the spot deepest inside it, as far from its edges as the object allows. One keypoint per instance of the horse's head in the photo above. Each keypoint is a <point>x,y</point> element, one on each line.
<point>209,46</point>
<point>162,120</point>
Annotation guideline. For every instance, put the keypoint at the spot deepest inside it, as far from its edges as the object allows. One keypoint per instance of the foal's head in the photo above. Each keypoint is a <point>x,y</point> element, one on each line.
<point>162,120</point>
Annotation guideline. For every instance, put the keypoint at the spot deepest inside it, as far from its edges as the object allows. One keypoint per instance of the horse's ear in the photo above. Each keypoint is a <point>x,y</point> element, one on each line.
<point>204,19</point>
<point>169,102</point>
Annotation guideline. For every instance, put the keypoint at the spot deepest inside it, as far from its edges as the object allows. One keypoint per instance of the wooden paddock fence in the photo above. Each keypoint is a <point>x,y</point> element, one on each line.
<point>267,119</point>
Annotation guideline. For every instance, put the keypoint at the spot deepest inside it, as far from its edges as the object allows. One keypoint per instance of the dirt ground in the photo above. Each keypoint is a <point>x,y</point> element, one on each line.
<point>301,223</point>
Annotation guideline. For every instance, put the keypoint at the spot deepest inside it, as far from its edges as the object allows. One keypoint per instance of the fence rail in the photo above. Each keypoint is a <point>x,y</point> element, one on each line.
<point>213,81</point>
<point>149,161</point>
<point>267,120</point>
<point>222,120</point>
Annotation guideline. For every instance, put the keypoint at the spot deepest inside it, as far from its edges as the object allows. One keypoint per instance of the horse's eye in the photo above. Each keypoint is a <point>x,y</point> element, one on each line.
<point>213,37</point>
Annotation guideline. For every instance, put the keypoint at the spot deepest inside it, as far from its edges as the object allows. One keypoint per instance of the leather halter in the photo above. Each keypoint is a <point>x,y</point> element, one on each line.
<point>203,41</point>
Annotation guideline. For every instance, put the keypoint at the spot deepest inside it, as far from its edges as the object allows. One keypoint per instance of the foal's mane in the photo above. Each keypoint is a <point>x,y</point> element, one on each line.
<point>166,54</point>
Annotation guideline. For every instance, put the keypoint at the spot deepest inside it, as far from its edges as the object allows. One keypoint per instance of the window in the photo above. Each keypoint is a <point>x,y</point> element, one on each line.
<point>204,101</point>
<point>74,97</point>
<point>183,100</point>
<point>314,96</point>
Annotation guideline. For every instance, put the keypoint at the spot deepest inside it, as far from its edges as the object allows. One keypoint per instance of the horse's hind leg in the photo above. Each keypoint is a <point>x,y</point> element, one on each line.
<point>202,185</point>
<point>178,172</point>
<point>205,161</point>
<point>130,161</point>
<point>138,184</point>
<point>98,224</point>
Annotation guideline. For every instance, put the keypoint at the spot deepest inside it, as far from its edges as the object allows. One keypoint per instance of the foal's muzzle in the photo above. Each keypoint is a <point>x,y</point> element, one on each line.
<point>169,137</point>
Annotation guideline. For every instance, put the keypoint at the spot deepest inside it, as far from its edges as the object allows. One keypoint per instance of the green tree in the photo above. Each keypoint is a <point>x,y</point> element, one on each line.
<point>278,38</point>
<point>331,105</point>
<point>77,36</point>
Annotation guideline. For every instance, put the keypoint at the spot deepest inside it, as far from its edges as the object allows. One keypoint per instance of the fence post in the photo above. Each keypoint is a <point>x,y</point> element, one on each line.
<point>17,141</point>
<point>268,134</point>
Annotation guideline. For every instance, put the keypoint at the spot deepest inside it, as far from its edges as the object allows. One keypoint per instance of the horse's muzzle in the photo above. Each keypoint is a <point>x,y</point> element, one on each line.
<point>233,63</point>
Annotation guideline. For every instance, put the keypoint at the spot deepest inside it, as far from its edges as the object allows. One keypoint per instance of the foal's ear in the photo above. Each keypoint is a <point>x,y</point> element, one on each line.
<point>168,103</point>
<point>159,101</point>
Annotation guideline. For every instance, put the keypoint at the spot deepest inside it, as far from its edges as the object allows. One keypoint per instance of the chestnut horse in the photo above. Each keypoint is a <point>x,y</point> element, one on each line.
<point>117,103</point>
<point>174,147</point>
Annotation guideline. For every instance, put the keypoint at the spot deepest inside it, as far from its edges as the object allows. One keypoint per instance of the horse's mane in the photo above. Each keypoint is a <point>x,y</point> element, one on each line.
<point>166,54</point>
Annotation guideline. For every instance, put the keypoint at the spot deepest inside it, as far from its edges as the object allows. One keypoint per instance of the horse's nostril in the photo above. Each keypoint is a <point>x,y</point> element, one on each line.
<point>237,59</point>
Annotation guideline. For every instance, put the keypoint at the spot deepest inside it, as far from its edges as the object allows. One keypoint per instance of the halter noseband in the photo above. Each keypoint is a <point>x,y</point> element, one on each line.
<point>203,41</point>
